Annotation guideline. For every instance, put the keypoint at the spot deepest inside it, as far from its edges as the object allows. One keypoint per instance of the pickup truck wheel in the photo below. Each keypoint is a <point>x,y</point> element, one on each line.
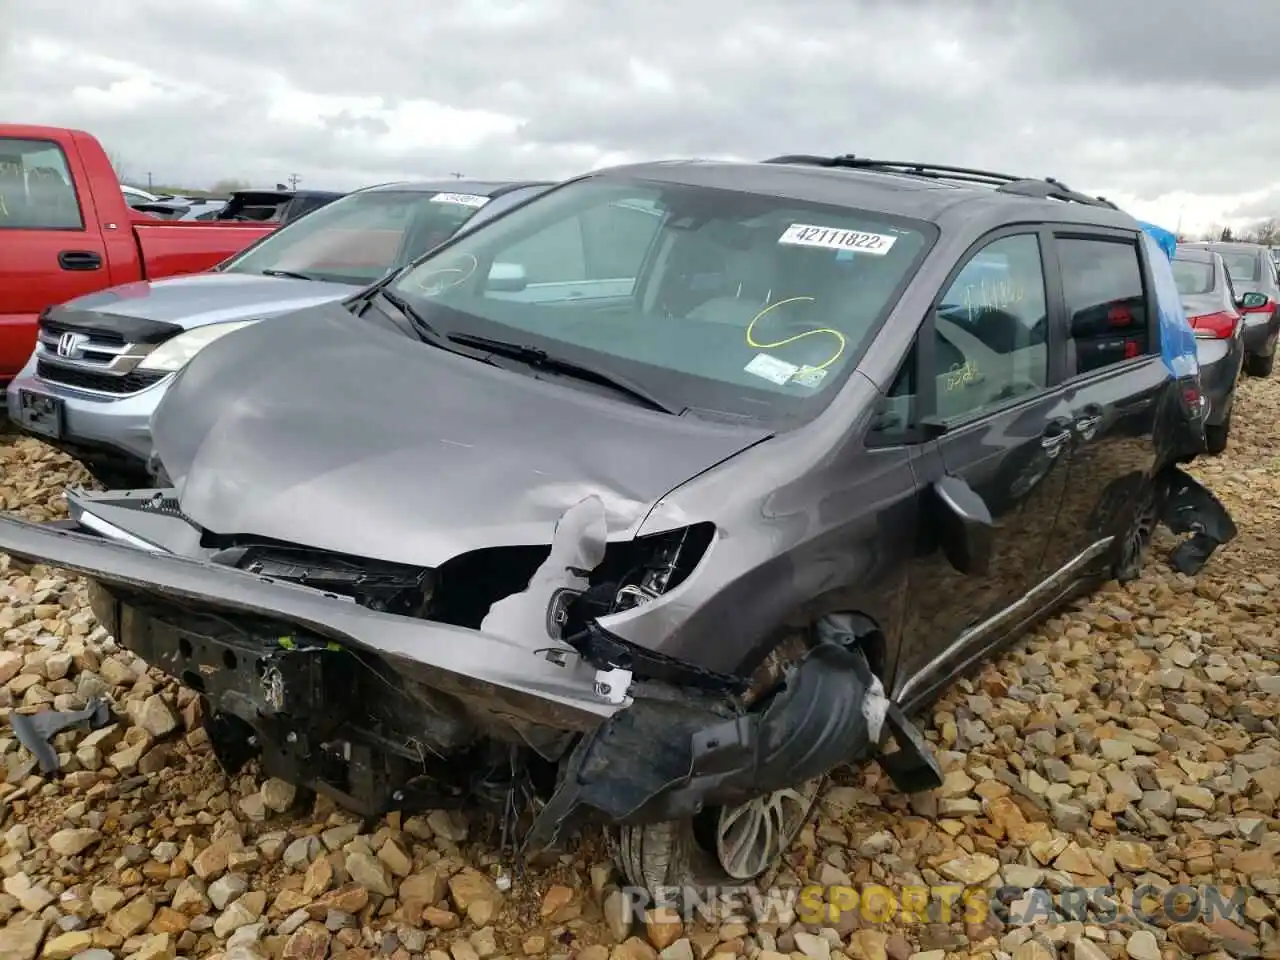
<point>117,478</point>
<point>723,845</point>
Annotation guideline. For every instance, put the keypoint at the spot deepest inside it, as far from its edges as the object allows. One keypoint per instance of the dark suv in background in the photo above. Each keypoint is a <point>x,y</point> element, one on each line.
<point>1254,277</point>
<point>662,494</point>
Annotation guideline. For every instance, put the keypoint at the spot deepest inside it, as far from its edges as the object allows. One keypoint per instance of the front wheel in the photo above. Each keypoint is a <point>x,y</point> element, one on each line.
<point>724,845</point>
<point>720,846</point>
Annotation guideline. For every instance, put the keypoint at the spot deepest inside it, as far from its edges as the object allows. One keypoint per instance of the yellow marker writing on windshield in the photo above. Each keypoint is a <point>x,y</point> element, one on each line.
<point>751,341</point>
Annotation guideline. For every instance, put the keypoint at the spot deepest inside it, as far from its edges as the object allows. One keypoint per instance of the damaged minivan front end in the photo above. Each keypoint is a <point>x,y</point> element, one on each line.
<point>338,675</point>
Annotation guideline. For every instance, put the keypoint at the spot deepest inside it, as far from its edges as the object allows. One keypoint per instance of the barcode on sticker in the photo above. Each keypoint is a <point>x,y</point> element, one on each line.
<point>832,238</point>
<point>463,199</point>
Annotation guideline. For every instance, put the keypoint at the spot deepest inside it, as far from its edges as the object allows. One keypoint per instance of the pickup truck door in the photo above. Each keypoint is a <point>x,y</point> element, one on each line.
<point>51,244</point>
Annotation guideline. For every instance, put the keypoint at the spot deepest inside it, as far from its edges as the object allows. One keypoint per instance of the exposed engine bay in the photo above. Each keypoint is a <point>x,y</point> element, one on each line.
<point>663,739</point>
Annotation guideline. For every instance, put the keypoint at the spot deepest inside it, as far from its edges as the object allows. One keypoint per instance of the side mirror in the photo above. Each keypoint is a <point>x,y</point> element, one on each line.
<point>507,277</point>
<point>966,530</point>
<point>1238,299</point>
<point>1251,301</point>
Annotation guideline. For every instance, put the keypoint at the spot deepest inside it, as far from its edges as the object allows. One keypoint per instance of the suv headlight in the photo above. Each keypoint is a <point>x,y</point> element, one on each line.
<point>177,353</point>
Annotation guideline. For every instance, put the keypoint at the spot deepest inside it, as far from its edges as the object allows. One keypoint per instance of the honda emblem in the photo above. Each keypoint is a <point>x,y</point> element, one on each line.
<point>71,344</point>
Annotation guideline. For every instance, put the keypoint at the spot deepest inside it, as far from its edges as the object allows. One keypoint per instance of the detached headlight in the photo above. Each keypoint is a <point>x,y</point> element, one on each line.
<point>177,353</point>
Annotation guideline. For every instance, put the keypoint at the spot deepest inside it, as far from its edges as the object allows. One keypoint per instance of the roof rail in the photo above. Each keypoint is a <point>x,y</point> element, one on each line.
<point>1045,189</point>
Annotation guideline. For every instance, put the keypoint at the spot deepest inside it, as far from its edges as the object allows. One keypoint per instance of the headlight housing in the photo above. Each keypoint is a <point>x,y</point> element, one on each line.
<point>177,353</point>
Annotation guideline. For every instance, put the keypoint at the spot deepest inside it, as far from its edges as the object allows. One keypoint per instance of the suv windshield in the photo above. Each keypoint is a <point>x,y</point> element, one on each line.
<point>1193,276</point>
<point>360,237</point>
<point>710,299</point>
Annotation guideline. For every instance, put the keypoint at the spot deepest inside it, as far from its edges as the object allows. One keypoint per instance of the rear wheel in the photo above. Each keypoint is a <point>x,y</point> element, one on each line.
<point>1132,550</point>
<point>1256,366</point>
<point>1215,435</point>
<point>723,845</point>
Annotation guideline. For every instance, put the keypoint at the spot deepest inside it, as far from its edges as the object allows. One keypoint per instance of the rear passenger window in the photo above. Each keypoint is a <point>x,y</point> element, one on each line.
<point>1106,301</point>
<point>36,192</point>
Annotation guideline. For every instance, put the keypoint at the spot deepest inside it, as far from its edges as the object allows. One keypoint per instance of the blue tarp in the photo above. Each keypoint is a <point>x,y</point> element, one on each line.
<point>1177,340</point>
<point>1168,242</point>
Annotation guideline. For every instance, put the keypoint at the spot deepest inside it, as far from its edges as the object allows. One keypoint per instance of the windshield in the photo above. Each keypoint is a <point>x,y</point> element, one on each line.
<point>710,299</point>
<point>361,237</point>
<point>1243,267</point>
<point>1193,277</point>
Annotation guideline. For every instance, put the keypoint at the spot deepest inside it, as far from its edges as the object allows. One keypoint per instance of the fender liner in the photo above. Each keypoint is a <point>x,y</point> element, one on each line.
<point>670,755</point>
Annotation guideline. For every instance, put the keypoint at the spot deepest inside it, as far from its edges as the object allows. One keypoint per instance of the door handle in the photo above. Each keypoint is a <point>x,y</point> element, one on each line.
<point>1088,419</point>
<point>79,260</point>
<point>1056,433</point>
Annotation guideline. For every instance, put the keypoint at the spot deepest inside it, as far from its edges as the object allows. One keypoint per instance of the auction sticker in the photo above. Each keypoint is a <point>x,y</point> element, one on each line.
<point>462,199</point>
<point>832,238</point>
<point>771,369</point>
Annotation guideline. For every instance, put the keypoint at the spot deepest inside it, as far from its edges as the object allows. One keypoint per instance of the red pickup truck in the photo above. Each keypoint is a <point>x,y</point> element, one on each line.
<point>65,230</point>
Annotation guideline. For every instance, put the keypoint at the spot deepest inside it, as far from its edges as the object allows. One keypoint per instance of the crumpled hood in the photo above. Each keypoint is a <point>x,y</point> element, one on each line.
<point>203,298</point>
<point>326,430</point>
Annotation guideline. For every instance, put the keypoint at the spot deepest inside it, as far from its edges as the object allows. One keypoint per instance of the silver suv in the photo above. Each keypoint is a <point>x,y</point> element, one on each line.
<point>103,361</point>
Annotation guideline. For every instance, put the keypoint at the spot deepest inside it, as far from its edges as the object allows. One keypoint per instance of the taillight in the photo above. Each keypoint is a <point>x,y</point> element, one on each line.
<point>1215,326</point>
<point>1119,317</point>
<point>1192,398</point>
<point>1265,307</point>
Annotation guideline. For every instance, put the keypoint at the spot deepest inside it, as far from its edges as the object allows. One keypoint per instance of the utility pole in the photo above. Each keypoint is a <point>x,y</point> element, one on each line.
<point>293,181</point>
<point>148,179</point>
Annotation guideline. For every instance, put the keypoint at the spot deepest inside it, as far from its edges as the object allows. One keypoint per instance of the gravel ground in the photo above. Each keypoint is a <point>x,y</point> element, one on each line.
<point>1131,742</point>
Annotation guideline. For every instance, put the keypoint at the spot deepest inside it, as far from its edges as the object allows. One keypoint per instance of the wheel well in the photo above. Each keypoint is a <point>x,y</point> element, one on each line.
<point>871,641</point>
<point>866,633</point>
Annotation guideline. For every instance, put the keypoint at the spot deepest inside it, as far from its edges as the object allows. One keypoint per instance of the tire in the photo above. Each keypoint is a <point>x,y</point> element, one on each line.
<point>693,854</point>
<point>1132,549</point>
<point>1257,366</point>
<point>688,855</point>
<point>1215,435</point>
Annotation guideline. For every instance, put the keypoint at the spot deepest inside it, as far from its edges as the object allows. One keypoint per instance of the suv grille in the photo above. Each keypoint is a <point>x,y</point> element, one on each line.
<point>86,379</point>
<point>53,330</point>
<point>104,361</point>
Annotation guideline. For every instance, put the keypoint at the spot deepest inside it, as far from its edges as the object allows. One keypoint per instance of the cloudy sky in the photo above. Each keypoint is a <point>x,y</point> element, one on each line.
<point>1171,107</point>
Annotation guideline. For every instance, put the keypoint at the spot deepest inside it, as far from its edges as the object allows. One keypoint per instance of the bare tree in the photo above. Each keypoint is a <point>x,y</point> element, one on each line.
<point>1267,232</point>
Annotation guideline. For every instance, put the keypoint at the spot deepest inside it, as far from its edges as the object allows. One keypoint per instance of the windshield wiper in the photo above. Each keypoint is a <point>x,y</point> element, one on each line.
<point>539,358</point>
<point>421,327</point>
<point>290,274</point>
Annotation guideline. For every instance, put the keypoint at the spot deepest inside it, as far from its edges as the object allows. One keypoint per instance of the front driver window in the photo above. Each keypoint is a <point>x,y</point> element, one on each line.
<point>990,334</point>
<point>992,329</point>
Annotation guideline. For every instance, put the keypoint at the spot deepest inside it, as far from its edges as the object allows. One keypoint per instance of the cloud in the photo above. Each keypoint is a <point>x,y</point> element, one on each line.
<point>1166,107</point>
